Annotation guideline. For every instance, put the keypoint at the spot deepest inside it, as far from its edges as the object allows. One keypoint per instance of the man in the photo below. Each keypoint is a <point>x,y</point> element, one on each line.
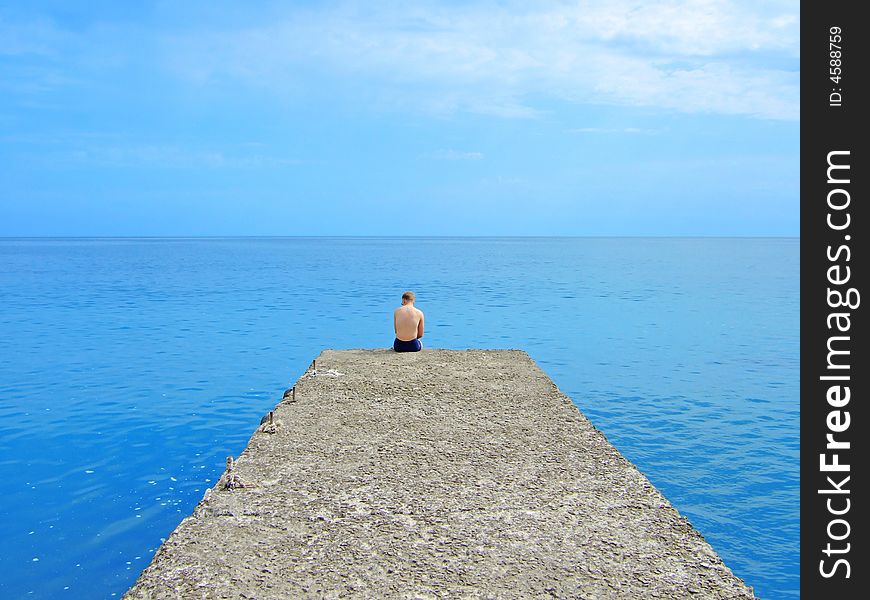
<point>408,324</point>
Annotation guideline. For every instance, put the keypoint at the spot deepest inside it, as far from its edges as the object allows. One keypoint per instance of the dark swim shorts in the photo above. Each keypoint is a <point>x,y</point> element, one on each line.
<point>409,346</point>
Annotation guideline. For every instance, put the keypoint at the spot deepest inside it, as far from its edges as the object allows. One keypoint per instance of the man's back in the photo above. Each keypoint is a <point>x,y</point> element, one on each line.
<point>409,322</point>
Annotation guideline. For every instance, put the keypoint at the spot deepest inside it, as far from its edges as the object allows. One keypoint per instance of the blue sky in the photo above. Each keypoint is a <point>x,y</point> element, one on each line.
<point>401,118</point>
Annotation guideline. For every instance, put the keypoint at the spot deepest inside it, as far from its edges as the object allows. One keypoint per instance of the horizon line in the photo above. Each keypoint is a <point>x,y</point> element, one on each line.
<point>378,236</point>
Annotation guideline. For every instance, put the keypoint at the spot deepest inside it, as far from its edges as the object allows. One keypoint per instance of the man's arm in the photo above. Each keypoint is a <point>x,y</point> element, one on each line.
<point>395,325</point>
<point>420,327</point>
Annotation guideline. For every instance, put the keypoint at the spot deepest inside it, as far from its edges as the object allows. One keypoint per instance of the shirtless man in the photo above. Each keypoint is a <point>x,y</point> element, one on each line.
<point>408,323</point>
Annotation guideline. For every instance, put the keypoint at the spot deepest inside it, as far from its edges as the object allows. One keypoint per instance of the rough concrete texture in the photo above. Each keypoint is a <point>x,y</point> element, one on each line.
<point>441,474</point>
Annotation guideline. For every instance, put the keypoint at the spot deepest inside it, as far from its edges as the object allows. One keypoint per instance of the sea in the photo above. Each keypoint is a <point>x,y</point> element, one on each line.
<point>130,368</point>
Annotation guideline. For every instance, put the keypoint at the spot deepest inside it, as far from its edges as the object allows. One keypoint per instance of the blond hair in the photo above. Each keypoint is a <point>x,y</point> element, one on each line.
<point>409,296</point>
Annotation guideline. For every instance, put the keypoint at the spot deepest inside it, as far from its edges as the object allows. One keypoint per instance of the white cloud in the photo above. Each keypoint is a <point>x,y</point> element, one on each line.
<point>455,155</point>
<point>175,157</point>
<point>76,148</point>
<point>493,58</point>
<point>502,59</point>
<point>628,130</point>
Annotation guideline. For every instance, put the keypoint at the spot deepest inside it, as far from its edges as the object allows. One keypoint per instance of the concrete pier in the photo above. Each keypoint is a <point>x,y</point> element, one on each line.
<point>440,474</point>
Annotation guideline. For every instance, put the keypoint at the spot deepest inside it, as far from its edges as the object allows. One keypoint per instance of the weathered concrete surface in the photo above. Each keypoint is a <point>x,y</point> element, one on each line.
<point>442,474</point>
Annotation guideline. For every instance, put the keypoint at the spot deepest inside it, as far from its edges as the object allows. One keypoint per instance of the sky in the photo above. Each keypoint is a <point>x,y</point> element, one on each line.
<point>611,117</point>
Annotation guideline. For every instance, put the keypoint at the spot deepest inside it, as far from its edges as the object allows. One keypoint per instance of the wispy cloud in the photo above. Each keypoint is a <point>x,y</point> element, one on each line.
<point>454,155</point>
<point>626,130</point>
<point>174,157</point>
<point>718,56</point>
<point>505,59</point>
<point>96,149</point>
<point>33,37</point>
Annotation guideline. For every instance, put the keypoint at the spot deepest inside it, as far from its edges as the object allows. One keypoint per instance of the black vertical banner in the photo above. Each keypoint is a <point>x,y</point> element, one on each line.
<point>835,383</point>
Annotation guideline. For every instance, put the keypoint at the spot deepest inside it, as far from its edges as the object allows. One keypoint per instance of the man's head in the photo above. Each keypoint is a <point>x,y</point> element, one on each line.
<point>408,298</point>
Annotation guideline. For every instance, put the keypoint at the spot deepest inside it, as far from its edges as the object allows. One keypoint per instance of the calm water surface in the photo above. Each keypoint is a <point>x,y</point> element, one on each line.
<point>130,369</point>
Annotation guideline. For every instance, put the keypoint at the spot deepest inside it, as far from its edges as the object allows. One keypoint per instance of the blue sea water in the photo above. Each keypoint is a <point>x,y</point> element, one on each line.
<point>130,369</point>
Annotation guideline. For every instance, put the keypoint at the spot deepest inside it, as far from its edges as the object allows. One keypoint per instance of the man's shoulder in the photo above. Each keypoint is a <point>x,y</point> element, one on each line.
<point>418,311</point>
